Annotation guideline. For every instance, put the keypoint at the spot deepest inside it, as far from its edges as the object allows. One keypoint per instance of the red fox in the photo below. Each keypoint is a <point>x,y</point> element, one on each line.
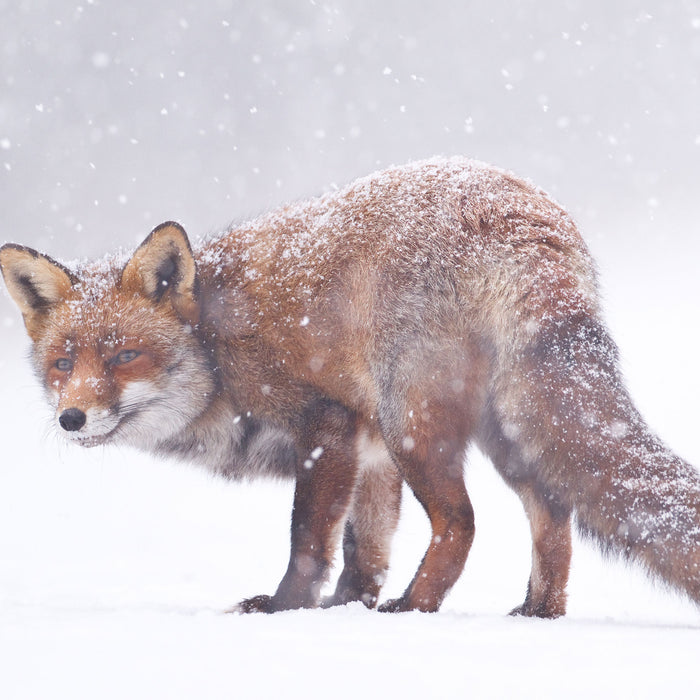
<point>365,338</point>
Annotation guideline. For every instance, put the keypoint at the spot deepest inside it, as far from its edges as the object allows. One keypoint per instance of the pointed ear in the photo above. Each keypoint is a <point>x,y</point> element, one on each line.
<point>35,282</point>
<point>163,268</point>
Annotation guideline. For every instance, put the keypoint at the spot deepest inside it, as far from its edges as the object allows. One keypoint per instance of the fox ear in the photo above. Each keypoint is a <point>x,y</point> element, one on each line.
<point>163,267</point>
<point>34,281</point>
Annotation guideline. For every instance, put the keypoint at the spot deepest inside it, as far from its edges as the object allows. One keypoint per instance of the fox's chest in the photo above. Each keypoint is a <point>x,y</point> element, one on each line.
<point>236,446</point>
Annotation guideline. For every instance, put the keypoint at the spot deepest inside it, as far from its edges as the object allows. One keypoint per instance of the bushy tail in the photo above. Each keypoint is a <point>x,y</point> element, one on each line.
<point>592,451</point>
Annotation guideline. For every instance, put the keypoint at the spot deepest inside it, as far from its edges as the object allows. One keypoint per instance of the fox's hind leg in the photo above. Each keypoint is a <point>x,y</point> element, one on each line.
<point>370,527</point>
<point>550,525</point>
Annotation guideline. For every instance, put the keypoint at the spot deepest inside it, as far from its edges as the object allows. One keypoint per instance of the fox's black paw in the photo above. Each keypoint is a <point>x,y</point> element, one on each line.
<point>257,604</point>
<point>394,605</point>
<point>541,611</point>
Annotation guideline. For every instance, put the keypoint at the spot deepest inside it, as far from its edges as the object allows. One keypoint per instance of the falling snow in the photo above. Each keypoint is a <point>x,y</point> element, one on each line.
<point>114,566</point>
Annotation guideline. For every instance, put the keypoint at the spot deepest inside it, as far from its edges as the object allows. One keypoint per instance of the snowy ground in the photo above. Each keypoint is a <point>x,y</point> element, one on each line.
<point>114,570</point>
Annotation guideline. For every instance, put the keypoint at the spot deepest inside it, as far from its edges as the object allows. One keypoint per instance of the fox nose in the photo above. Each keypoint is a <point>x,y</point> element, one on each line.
<point>72,419</point>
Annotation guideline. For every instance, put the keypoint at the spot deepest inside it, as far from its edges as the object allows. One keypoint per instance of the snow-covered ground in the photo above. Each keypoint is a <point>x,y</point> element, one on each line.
<point>115,569</point>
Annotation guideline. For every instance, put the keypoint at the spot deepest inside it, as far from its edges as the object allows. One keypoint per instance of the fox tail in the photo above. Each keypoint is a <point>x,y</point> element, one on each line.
<point>572,417</point>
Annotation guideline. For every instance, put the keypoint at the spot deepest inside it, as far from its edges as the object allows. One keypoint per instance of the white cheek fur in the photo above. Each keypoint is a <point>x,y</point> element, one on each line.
<point>151,413</point>
<point>138,393</point>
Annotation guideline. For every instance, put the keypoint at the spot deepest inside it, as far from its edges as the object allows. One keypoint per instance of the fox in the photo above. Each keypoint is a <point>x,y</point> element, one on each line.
<point>362,340</point>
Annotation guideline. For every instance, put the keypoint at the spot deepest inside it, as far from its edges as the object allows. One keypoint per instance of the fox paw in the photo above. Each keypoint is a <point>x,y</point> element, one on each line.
<point>257,604</point>
<point>395,605</point>
<point>541,611</point>
<point>520,611</point>
<point>367,599</point>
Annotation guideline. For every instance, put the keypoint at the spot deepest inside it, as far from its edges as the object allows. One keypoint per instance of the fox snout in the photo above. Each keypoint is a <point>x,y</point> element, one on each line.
<point>72,419</point>
<point>87,426</point>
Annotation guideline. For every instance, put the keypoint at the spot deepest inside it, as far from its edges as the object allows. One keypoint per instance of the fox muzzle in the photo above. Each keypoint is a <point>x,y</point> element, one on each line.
<point>72,419</point>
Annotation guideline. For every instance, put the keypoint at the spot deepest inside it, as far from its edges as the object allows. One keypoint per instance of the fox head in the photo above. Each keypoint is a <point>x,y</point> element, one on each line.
<point>116,347</point>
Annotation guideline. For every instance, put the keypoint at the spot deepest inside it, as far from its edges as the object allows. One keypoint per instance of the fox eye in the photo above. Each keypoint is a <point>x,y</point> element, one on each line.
<point>125,356</point>
<point>63,364</point>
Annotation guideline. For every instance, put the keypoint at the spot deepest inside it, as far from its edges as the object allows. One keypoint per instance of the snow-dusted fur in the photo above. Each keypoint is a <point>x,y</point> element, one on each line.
<point>363,338</point>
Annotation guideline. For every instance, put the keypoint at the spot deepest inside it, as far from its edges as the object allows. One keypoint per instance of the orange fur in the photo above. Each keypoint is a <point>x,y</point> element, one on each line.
<point>363,338</point>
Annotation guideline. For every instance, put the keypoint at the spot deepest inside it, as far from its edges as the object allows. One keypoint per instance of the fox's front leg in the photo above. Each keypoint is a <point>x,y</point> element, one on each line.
<point>325,479</point>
